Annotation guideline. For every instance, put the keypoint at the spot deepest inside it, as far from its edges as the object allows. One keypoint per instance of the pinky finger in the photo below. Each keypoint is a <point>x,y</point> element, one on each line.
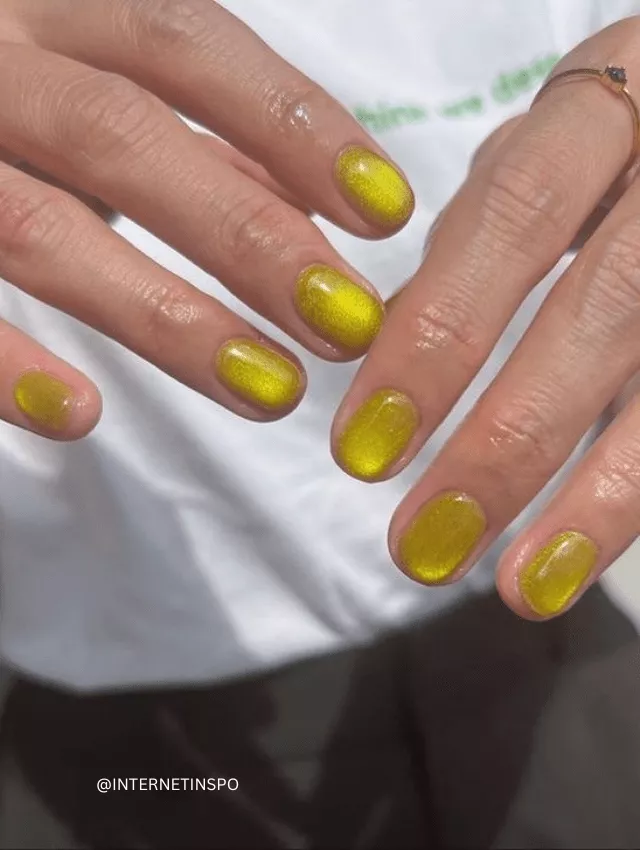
<point>593,518</point>
<point>41,393</point>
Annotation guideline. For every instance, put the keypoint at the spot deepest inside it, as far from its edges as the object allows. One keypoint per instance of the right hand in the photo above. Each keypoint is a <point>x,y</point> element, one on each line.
<point>87,95</point>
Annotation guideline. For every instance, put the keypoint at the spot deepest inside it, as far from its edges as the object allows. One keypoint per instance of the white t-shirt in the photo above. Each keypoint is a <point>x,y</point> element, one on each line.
<point>179,543</point>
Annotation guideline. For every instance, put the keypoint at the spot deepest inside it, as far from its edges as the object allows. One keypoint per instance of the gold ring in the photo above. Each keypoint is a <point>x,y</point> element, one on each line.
<point>613,78</point>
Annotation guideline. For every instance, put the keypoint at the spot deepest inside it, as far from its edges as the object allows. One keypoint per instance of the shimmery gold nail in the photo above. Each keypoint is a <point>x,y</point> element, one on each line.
<point>342,312</point>
<point>557,572</point>
<point>375,187</point>
<point>377,434</point>
<point>44,399</point>
<point>441,537</point>
<point>258,374</point>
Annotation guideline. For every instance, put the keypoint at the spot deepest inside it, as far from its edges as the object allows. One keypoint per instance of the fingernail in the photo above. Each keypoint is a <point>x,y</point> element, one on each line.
<point>441,537</point>
<point>377,434</point>
<point>339,310</point>
<point>258,374</point>
<point>377,189</point>
<point>557,572</point>
<point>44,399</point>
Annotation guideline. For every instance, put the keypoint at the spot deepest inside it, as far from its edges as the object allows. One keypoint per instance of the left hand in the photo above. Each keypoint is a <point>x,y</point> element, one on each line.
<point>522,206</point>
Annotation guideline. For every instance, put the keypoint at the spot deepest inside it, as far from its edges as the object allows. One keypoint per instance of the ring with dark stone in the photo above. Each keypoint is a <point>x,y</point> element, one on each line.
<point>614,78</point>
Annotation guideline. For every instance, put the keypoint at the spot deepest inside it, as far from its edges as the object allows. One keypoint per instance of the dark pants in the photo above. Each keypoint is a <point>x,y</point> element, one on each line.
<point>473,730</point>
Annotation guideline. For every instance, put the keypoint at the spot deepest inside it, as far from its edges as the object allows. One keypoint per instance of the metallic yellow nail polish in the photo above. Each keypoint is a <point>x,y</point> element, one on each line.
<point>441,537</point>
<point>377,434</point>
<point>47,401</point>
<point>557,572</point>
<point>258,374</point>
<point>342,312</point>
<point>375,187</point>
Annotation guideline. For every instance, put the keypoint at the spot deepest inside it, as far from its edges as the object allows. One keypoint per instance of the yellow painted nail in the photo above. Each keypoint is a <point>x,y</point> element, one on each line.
<point>342,312</point>
<point>45,400</point>
<point>375,187</point>
<point>557,572</point>
<point>258,374</point>
<point>441,537</point>
<point>377,434</point>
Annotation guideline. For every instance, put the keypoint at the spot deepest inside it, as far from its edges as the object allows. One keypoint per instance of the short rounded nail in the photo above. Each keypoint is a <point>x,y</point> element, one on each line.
<point>441,537</point>
<point>374,187</point>
<point>45,400</point>
<point>557,572</point>
<point>258,374</point>
<point>339,310</point>
<point>377,434</point>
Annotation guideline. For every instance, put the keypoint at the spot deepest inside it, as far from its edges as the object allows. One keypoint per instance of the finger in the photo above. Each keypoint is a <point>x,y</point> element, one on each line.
<point>116,142</point>
<point>589,523</point>
<point>201,59</point>
<point>95,204</point>
<point>218,148</point>
<point>222,151</point>
<point>41,393</point>
<point>495,140</point>
<point>490,147</point>
<point>508,226</point>
<point>579,353</point>
<point>55,249</point>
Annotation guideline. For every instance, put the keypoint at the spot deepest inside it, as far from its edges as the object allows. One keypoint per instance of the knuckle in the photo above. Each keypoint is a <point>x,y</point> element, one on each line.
<point>253,225</point>
<point>33,222</point>
<point>525,206</point>
<point>447,324</point>
<point>618,477</point>
<point>168,309</point>
<point>107,117</point>
<point>291,109</point>
<point>171,24</point>
<point>520,436</point>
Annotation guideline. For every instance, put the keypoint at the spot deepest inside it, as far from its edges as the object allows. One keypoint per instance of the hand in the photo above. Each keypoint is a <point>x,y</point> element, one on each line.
<point>86,99</point>
<point>528,196</point>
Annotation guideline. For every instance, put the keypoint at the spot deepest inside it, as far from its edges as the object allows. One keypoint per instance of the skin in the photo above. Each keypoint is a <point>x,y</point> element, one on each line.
<point>87,126</point>
<point>529,196</point>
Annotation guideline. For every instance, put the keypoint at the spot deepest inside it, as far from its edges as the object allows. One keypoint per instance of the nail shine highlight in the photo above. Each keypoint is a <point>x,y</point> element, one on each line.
<point>377,434</point>
<point>377,189</point>
<point>441,537</point>
<point>557,572</point>
<point>339,310</point>
<point>258,374</point>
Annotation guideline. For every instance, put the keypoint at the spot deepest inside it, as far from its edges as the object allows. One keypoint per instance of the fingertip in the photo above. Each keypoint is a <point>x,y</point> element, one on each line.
<point>86,414</point>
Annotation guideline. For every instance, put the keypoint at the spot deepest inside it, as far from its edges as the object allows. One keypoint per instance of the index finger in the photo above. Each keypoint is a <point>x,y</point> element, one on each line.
<point>205,62</point>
